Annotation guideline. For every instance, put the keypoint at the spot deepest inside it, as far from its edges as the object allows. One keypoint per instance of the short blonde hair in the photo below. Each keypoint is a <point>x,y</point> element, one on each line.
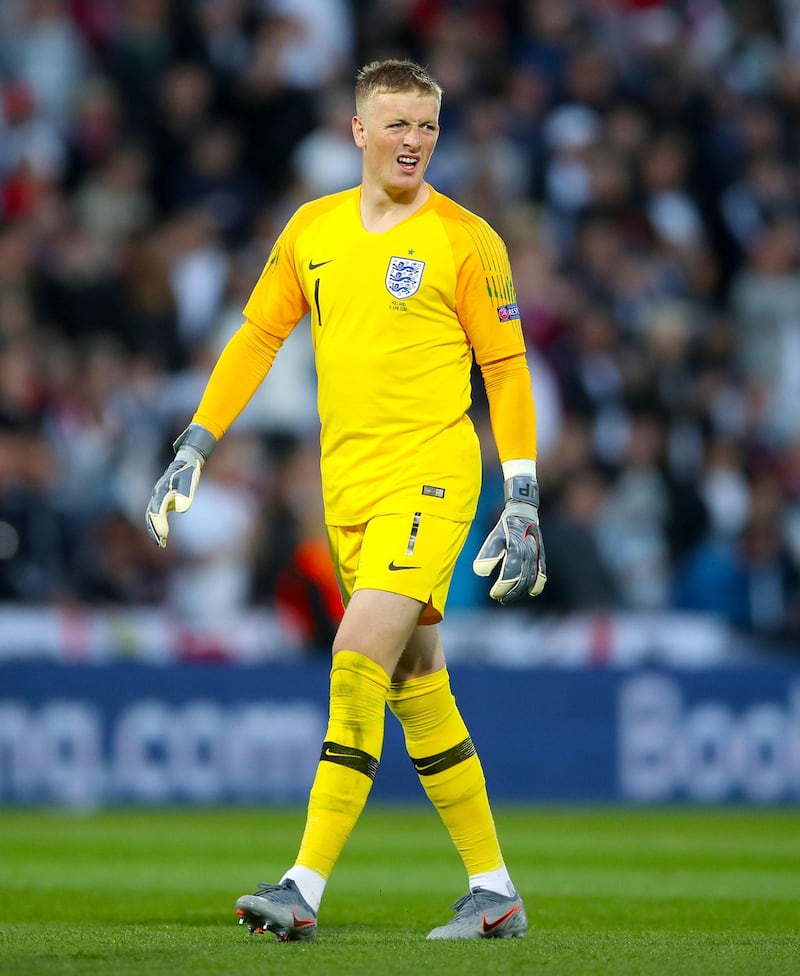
<point>394,75</point>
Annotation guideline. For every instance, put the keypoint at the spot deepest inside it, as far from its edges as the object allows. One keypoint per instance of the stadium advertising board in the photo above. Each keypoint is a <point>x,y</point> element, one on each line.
<point>136,734</point>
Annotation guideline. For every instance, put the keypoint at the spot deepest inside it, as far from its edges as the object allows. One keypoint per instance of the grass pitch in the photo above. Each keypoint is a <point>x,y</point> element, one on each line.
<point>608,891</point>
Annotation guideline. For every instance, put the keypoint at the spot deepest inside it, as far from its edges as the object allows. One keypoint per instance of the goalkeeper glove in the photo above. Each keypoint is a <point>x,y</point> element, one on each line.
<point>515,543</point>
<point>174,490</point>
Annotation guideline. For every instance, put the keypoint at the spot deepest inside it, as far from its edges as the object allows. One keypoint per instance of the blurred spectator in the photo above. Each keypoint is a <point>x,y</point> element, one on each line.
<point>676,218</point>
<point>765,298</point>
<point>34,533</point>
<point>649,519</point>
<point>26,139</point>
<point>317,40</point>
<point>272,114</point>
<point>214,546</point>
<point>213,181</point>
<point>198,270</point>
<point>44,50</point>
<point>113,201</point>
<point>114,565</point>
<point>148,318</point>
<point>141,48</point>
<point>331,141</point>
<point>484,161</point>
<point>294,570</point>
<point>579,577</point>
<point>185,100</point>
<point>77,291</point>
<point>97,130</point>
<point>570,133</point>
<point>725,490</point>
<point>640,161</point>
<point>221,35</point>
<point>751,581</point>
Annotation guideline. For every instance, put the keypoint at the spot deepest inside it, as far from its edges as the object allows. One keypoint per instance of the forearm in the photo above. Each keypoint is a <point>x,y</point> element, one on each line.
<point>240,369</point>
<point>511,408</point>
<point>514,546</point>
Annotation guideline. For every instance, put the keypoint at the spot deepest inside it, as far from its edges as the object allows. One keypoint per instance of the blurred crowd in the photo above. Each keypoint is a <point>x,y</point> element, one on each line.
<point>638,157</point>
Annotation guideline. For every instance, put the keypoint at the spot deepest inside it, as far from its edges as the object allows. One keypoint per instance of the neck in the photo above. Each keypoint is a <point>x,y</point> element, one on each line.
<point>380,210</point>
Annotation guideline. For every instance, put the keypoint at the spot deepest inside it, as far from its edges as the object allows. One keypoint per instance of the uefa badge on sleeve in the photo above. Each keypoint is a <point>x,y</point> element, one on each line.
<point>507,313</point>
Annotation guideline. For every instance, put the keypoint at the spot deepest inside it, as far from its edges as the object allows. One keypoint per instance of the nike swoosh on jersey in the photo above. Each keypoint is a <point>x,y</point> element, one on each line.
<point>395,569</point>
<point>491,926</point>
<point>313,267</point>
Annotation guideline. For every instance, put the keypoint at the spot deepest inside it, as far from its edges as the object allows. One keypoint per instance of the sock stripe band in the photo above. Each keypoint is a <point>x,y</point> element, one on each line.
<point>348,756</point>
<point>431,765</point>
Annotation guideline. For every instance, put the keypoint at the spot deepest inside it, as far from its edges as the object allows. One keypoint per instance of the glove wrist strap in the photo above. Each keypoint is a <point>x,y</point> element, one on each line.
<point>521,488</point>
<point>190,455</point>
<point>200,441</point>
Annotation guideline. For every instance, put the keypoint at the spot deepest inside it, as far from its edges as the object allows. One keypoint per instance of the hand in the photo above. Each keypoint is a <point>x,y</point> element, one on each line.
<point>515,543</point>
<point>174,490</point>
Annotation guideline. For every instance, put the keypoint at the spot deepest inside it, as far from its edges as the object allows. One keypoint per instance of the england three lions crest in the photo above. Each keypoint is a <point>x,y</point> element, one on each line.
<point>404,276</point>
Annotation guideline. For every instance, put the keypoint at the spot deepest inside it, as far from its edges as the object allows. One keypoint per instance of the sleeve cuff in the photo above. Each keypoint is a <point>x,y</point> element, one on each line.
<point>519,466</point>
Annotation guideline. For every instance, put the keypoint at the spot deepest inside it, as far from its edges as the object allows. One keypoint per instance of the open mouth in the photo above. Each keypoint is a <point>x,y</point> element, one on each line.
<point>408,163</point>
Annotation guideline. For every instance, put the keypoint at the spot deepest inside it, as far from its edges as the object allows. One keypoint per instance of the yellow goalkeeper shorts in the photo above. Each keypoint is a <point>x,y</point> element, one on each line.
<point>413,555</point>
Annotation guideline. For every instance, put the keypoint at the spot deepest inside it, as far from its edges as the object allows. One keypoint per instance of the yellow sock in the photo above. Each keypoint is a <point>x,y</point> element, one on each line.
<point>349,760</point>
<point>449,769</point>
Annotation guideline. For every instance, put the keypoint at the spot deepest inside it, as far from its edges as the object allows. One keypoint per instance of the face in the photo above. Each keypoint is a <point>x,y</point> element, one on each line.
<point>398,134</point>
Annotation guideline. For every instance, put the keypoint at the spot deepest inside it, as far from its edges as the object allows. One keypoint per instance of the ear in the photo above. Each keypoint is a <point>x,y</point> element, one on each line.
<point>358,132</point>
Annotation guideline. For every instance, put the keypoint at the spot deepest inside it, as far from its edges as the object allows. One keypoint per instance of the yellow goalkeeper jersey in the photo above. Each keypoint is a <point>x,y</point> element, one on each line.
<point>395,319</point>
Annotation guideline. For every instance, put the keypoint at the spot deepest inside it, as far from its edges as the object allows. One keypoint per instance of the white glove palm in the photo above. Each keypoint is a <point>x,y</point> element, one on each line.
<point>174,490</point>
<point>515,544</point>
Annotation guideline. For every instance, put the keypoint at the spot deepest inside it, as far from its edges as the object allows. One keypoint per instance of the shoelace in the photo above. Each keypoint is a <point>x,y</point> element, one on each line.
<point>264,888</point>
<point>462,902</point>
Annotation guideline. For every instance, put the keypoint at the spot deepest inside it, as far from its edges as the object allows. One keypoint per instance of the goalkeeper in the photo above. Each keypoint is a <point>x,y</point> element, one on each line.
<point>404,287</point>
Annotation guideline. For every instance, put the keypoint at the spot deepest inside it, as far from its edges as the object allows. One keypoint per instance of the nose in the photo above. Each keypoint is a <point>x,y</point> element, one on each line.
<point>413,139</point>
